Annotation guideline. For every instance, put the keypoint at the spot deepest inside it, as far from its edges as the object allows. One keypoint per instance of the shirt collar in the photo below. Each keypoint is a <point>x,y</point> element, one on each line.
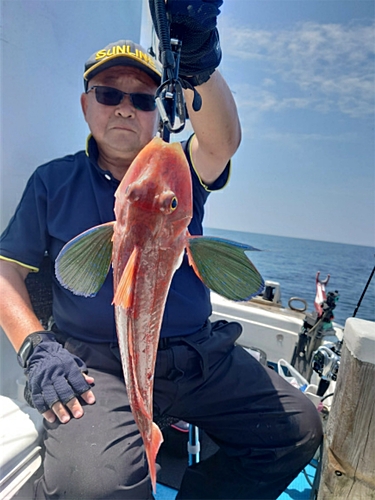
<point>92,152</point>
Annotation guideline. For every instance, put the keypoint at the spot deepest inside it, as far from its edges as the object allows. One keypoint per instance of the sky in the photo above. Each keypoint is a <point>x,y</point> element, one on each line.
<point>302,74</point>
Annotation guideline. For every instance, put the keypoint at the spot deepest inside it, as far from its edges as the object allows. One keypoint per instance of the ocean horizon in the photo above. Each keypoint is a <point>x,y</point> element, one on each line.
<point>294,262</point>
<point>291,237</point>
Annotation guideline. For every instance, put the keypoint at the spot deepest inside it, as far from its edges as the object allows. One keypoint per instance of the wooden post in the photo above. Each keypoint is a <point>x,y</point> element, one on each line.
<point>348,467</point>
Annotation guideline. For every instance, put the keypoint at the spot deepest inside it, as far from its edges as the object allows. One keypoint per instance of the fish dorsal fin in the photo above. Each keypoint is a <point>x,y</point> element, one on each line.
<point>224,267</point>
<point>83,263</point>
<point>125,289</point>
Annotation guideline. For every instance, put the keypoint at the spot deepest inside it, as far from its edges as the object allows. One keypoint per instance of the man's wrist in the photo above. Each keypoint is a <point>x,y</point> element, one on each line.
<point>28,346</point>
<point>197,80</point>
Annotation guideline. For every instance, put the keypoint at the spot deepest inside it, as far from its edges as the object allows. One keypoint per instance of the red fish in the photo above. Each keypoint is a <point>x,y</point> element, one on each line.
<point>153,209</point>
<point>146,243</point>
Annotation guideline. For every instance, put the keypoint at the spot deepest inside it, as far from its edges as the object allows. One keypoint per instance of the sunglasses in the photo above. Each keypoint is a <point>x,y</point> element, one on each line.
<point>112,97</point>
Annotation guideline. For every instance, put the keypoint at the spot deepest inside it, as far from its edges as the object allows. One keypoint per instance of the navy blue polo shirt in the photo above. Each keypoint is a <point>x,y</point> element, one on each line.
<point>69,195</point>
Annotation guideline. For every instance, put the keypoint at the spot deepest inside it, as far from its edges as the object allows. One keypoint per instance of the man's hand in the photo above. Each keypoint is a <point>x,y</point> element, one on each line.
<point>72,407</point>
<point>55,380</point>
<point>193,22</point>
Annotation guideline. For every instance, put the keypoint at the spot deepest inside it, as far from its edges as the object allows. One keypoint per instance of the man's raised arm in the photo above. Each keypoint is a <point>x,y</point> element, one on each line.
<point>217,128</point>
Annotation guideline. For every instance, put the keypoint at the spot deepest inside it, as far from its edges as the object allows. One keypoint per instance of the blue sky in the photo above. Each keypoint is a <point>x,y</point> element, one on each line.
<point>302,73</point>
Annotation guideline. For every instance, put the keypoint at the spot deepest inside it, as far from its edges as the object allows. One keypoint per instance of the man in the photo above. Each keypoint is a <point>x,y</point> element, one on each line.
<point>266,430</point>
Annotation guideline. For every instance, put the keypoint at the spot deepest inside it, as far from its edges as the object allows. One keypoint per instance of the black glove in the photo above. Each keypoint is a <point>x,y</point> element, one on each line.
<point>53,373</point>
<point>193,22</point>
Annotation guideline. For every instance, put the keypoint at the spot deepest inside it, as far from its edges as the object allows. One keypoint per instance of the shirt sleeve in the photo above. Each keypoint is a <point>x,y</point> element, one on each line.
<point>25,240</point>
<point>220,182</point>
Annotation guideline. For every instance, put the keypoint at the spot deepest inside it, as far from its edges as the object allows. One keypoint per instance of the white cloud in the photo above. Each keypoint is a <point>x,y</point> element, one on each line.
<point>269,82</point>
<point>321,66</point>
<point>280,136</point>
<point>260,99</point>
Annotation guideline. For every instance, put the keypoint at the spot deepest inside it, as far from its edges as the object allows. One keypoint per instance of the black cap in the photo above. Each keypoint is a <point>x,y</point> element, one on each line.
<point>122,53</point>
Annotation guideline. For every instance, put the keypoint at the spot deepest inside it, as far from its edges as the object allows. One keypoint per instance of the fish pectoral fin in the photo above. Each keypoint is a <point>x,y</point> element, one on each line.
<point>224,267</point>
<point>125,289</point>
<point>83,263</point>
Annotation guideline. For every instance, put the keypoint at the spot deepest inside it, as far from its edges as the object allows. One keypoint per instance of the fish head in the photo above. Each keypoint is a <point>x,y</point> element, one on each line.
<point>147,196</point>
<point>157,184</point>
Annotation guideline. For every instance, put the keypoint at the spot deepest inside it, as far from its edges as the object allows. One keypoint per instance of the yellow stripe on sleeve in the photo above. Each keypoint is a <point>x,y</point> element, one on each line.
<point>190,142</point>
<point>31,268</point>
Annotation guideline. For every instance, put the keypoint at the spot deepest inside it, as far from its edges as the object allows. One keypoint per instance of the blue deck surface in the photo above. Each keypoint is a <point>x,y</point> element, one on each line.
<point>164,492</point>
<point>299,489</point>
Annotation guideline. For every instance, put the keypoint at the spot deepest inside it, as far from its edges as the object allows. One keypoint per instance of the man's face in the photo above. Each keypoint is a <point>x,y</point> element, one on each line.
<point>120,131</point>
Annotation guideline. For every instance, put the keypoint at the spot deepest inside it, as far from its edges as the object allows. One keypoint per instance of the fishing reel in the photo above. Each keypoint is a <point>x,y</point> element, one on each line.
<point>169,96</point>
<point>316,326</point>
<point>326,363</point>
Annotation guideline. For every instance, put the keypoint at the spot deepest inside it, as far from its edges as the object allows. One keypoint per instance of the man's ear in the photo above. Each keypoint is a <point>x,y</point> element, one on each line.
<point>84,104</point>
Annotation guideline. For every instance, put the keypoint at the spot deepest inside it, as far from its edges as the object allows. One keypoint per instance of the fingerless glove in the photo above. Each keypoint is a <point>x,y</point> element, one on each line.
<point>53,373</point>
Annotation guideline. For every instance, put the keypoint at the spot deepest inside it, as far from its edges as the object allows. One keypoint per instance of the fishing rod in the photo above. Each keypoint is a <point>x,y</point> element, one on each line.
<point>169,96</point>
<point>326,358</point>
<point>364,292</point>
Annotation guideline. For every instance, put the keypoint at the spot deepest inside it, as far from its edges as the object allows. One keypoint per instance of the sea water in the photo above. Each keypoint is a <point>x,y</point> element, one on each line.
<point>294,262</point>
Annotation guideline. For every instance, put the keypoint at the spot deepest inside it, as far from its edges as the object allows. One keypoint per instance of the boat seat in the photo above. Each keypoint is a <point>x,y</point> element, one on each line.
<point>20,438</point>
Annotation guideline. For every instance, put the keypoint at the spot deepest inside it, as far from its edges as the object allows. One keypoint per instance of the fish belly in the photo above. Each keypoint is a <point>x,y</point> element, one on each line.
<point>138,331</point>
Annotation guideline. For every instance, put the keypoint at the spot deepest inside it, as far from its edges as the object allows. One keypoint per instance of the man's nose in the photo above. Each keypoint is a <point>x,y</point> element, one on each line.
<point>126,106</point>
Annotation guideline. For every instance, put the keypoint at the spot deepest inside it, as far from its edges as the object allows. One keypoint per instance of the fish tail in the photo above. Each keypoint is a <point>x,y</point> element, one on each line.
<point>152,451</point>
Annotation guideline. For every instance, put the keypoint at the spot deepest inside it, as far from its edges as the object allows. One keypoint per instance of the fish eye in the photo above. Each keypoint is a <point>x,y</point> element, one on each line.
<point>174,203</point>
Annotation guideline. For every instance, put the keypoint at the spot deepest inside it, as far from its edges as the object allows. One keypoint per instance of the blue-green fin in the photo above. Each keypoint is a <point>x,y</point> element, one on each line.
<point>83,263</point>
<point>224,267</point>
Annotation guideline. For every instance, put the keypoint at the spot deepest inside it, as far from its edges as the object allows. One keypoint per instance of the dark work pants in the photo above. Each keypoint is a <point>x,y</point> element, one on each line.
<point>266,429</point>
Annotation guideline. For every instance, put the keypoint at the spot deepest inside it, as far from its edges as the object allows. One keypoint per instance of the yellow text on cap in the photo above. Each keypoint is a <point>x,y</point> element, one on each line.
<point>125,49</point>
